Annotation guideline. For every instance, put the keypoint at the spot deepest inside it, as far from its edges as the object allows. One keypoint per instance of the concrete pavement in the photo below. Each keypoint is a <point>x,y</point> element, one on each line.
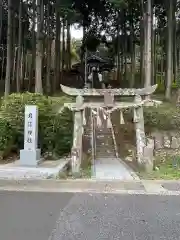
<point>28,215</point>
<point>112,168</point>
<point>115,217</point>
<point>138,187</point>
<point>87,216</point>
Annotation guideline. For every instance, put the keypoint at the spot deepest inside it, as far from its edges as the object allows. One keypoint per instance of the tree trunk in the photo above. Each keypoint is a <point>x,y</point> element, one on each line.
<point>148,45</point>
<point>152,48</point>
<point>49,42</point>
<point>63,45</point>
<point>133,58</point>
<point>2,63</point>
<point>169,50</point>
<point>14,49</point>
<point>39,55</point>
<point>33,58</point>
<point>142,52</point>
<point>178,80</point>
<point>9,50</point>
<point>1,8</point>
<point>68,46</point>
<point>118,50</point>
<point>175,46</point>
<point>19,49</point>
<point>155,55</point>
<point>57,51</point>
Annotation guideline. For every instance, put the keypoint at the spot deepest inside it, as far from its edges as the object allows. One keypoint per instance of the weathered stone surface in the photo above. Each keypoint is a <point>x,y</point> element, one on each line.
<point>140,134</point>
<point>148,152</point>
<point>149,165</point>
<point>175,142</point>
<point>149,156</point>
<point>163,153</point>
<point>108,99</point>
<point>77,140</point>
<point>116,91</point>
<point>129,158</point>
<point>158,141</point>
<point>79,101</point>
<point>167,142</point>
<point>150,143</point>
<point>152,103</point>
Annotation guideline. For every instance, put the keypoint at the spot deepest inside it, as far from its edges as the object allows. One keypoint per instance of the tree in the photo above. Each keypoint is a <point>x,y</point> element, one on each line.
<point>9,49</point>
<point>19,48</point>
<point>170,9</point>
<point>39,47</point>
<point>148,37</point>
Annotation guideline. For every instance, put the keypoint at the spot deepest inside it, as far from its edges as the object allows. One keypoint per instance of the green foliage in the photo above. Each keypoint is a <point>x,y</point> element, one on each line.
<point>91,42</point>
<point>12,108</point>
<point>57,135</point>
<point>163,117</point>
<point>55,130</point>
<point>118,4</point>
<point>161,84</point>
<point>6,137</point>
<point>164,169</point>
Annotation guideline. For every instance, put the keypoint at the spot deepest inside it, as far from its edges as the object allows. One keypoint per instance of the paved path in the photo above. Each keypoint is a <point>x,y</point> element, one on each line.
<point>107,165</point>
<point>138,187</point>
<point>46,169</point>
<point>87,216</point>
<point>111,168</point>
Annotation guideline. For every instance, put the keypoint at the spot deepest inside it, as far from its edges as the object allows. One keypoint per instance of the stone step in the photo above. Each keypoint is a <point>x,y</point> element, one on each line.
<point>105,154</point>
<point>102,148</point>
<point>106,144</point>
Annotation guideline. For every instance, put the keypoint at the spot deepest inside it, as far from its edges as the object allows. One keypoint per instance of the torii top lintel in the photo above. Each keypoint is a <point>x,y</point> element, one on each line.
<point>115,91</point>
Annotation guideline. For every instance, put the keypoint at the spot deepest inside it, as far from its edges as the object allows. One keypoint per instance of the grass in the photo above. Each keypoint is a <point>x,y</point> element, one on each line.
<point>168,169</point>
<point>85,171</point>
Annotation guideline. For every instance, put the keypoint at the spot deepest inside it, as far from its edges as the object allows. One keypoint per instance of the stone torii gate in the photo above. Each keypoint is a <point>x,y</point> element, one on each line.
<point>108,99</point>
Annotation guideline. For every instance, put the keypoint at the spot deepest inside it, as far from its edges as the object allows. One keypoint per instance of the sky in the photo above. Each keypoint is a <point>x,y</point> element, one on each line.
<point>76,33</point>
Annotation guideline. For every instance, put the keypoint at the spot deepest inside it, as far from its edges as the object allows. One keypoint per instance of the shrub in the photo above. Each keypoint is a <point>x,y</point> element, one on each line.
<point>6,138</point>
<point>163,117</point>
<point>57,135</point>
<point>55,130</point>
<point>12,108</point>
<point>161,84</point>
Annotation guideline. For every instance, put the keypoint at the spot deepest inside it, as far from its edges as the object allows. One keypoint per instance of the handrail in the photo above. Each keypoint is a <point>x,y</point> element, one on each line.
<point>114,141</point>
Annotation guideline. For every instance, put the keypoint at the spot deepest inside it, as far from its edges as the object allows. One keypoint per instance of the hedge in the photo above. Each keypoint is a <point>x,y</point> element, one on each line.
<point>55,129</point>
<point>163,117</point>
<point>7,138</point>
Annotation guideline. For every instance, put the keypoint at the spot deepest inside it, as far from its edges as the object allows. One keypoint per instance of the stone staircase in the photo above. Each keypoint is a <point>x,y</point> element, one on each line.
<point>104,143</point>
<point>105,164</point>
<point>103,139</point>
